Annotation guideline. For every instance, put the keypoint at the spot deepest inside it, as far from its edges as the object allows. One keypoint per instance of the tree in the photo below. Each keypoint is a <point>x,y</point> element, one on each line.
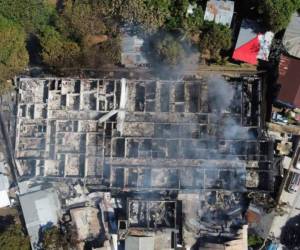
<point>30,14</point>
<point>277,13</point>
<point>13,53</point>
<point>148,15</point>
<point>12,238</point>
<point>193,22</point>
<point>58,51</point>
<point>181,19</point>
<point>165,49</point>
<point>107,52</point>
<point>53,239</point>
<point>80,19</point>
<point>297,4</point>
<point>214,38</point>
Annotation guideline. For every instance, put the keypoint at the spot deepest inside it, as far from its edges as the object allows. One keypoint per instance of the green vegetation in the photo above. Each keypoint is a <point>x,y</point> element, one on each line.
<point>52,239</point>
<point>148,14</point>
<point>180,19</point>
<point>254,240</point>
<point>13,53</point>
<point>214,38</point>
<point>56,50</point>
<point>88,33</point>
<point>79,19</point>
<point>13,238</point>
<point>166,49</point>
<point>104,53</point>
<point>31,14</point>
<point>277,13</point>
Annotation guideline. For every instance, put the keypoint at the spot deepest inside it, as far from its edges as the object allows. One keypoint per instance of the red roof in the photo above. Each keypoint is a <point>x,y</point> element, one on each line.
<point>289,79</point>
<point>248,51</point>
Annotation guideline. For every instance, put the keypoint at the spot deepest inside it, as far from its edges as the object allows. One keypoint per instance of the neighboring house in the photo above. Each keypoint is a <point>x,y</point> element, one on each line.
<point>289,73</point>
<point>289,81</point>
<point>132,55</point>
<point>219,11</point>
<point>252,44</point>
<point>40,208</point>
<point>291,39</point>
<point>4,186</point>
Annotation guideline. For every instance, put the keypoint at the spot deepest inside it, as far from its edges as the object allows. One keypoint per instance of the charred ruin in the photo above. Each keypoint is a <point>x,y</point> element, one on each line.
<point>178,155</point>
<point>201,134</point>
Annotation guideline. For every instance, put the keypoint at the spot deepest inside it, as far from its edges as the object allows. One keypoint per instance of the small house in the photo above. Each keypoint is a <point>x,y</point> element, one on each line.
<point>219,11</point>
<point>253,43</point>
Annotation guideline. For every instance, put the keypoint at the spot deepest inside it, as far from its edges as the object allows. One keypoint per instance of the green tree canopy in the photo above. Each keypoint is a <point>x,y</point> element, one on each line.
<point>181,19</point>
<point>277,13</point>
<point>214,38</point>
<point>12,238</point>
<point>31,14</point>
<point>165,49</point>
<point>149,15</point>
<point>104,53</point>
<point>13,53</point>
<point>79,19</point>
<point>58,51</point>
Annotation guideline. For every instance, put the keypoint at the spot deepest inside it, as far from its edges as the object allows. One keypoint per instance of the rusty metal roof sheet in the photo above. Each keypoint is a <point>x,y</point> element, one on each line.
<point>219,11</point>
<point>289,79</point>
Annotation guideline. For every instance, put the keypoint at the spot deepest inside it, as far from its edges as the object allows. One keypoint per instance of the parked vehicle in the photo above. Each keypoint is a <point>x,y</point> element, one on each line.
<point>278,118</point>
<point>294,183</point>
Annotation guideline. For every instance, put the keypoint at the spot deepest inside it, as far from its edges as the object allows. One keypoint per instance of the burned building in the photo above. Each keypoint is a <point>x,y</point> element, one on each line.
<point>201,134</point>
<point>151,214</point>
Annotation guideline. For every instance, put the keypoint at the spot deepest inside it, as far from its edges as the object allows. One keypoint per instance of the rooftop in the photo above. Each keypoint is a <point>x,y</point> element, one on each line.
<point>132,55</point>
<point>289,80</point>
<point>219,11</point>
<point>39,209</point>
<point>253,43</point>
<point>291,39</point>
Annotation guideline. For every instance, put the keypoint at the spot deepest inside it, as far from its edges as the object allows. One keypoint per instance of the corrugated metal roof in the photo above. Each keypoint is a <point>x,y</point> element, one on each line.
<point>39,208</point>
<point>248,31</point>
<point>289,80</point>
<point>219,11</point>
<point>291,39</point>
<point>4,182</point>
<point>139,243</point>
<point>4,199</point>
<point>252,43</point>
<point>132,55</point>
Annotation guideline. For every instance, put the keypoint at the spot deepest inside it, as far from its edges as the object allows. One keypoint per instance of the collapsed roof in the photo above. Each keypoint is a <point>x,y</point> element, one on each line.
<point>143,134</point>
